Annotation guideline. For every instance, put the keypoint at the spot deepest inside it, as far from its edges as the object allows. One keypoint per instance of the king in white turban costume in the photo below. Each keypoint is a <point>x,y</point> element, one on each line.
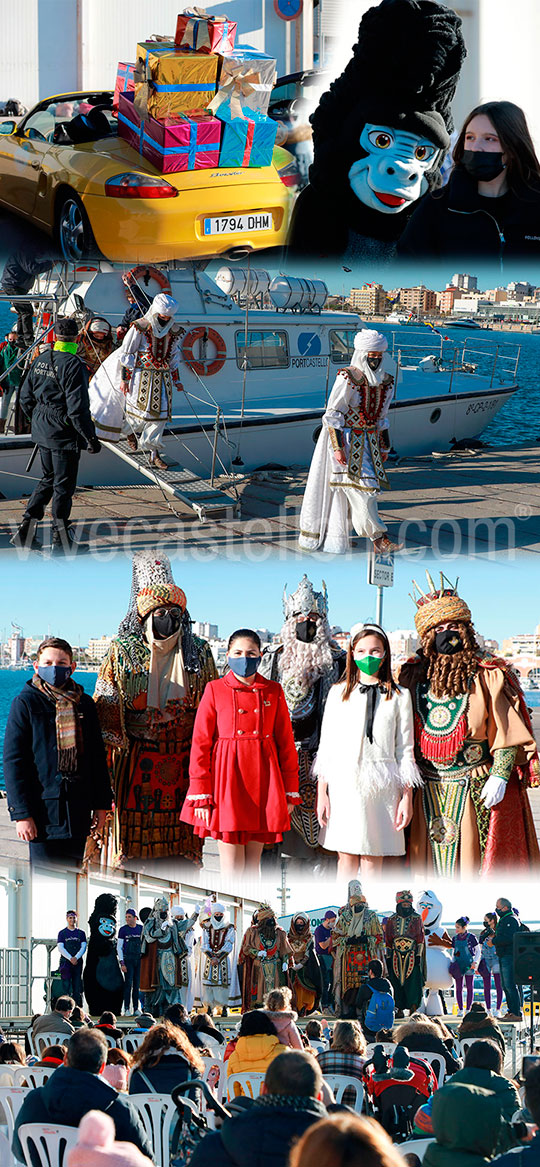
<point>131,394</point>
<point>347,469</point>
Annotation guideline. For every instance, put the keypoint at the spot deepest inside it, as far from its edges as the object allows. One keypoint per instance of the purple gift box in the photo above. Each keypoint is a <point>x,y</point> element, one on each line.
<point>186,142</point>
<point>125,81</point>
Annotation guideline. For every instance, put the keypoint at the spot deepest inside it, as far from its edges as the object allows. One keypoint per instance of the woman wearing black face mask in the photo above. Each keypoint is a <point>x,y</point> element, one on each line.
<point>491,204</point>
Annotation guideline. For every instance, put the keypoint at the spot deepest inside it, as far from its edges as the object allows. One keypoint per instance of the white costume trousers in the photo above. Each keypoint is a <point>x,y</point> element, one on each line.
<point>151,432</point>
<point>364,512</point>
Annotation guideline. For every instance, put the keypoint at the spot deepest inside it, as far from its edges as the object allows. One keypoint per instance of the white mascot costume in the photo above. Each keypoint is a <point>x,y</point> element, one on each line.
<point>438,952</point>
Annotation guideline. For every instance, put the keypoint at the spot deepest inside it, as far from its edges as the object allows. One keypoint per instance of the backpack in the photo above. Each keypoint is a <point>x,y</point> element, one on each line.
<point>380,1011</point>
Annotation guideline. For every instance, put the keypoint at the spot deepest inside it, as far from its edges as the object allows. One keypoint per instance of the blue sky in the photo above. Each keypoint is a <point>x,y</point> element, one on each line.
<point>88,598</point>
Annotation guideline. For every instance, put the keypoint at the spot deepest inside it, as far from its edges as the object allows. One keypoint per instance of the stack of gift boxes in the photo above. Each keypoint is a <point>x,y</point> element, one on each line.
<point>197,102</point>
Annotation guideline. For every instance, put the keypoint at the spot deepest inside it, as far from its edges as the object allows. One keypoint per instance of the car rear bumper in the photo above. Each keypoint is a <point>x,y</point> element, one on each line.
<point>149,230</point>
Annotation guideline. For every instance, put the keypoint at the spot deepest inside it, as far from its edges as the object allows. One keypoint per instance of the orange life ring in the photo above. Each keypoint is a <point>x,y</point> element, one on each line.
<point>145,269</point>
<point>204,368</point>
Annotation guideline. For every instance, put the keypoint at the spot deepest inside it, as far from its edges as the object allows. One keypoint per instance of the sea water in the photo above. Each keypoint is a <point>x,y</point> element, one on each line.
<point>517,421</point>
<point>11,683</point>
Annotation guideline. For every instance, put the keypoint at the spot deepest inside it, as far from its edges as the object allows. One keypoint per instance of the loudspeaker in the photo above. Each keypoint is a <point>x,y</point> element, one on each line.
<point>527,958</point>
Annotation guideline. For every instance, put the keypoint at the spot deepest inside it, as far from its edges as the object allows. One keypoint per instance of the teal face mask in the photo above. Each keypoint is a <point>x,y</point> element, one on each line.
<point>369,664</point>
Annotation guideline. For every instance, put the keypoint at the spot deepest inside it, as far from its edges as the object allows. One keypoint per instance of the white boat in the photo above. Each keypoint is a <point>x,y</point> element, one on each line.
<point>462,322</point>
<point>267,374</point>
<point>401,319</point>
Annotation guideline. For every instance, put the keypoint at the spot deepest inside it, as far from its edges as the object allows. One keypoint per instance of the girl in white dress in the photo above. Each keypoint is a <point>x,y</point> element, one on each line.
<point>365,763</point>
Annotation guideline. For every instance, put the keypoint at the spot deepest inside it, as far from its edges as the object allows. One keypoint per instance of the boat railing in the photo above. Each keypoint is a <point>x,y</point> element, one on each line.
<point>454,358</point>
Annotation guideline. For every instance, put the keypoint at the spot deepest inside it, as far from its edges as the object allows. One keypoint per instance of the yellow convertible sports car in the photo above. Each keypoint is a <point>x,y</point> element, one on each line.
<point>65,168</point>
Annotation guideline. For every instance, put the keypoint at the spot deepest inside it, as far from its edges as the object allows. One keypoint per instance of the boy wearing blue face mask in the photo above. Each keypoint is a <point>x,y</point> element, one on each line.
<point>55,769</point>
<point>243,770</point>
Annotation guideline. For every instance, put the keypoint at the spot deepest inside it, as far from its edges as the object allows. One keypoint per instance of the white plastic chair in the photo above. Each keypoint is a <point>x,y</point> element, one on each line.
<point>465,1043</point>
<point>30,1040</point>
<point>249,1081</point>
<point>49,1143</point>
<point>6,1158</point>
<point>338,1083</point>
<point>388,1048</point>
<point>42,1040</point>
<point>158,1114</point>
<point>11,1100</point>
<point>131,1042</point>
<point>435,1060</point>
<point>32,1075</point>
<point>218,1087</point>
<point>318,1046</point>
<point>414,1147</point>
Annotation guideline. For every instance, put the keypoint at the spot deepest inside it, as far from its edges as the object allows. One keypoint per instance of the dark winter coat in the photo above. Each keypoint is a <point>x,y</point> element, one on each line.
<point>431,1044</point>
<point>171,1070</point>
<point>506,1094</point>
<point>21,270</point>
<point>61,808</point>
<point>529,1156</point>
<point>68,1095</point>
<point>507,925</point>
<point>457,221</point>
<point>262,1137</point>
<point>58,406</point>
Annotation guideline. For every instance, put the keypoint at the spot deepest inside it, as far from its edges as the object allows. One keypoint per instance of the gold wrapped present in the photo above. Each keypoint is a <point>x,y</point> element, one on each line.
<point>169,82</point>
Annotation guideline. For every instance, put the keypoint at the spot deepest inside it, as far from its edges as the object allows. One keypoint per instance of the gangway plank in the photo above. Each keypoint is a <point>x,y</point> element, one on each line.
<point>198,493</point>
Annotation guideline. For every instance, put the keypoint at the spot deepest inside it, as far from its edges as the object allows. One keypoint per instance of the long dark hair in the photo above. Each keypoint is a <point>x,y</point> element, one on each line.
<point>510,123</point>
<point>351,676</point>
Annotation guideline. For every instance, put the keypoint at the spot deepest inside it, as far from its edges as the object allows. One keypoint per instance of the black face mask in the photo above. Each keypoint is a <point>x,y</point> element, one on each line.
<point>306,631</point>
<point>166,625</point>
<point>448,642</point>
<point>374,362</point>
<point>404,909</point>
<point>163,320</point>
<point>483,165</point>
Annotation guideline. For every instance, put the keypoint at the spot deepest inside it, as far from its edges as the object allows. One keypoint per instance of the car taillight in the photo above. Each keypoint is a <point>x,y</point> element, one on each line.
<point>139,186</point>
<point>290,174</point>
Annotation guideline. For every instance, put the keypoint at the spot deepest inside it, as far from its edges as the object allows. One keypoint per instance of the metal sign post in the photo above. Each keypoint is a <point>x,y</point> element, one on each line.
<point>380,574</point>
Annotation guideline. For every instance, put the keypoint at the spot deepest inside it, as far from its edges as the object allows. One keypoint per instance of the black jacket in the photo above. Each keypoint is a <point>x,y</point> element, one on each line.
<point>507,925</point>
<point>262,1137</point>
<point>429,1042</point>
<point>169,1072</point>
<point>58,406</point>
<point>457,221</point>
<point>20,271</point>
<point>61,809</point>
<point>68,1095</point>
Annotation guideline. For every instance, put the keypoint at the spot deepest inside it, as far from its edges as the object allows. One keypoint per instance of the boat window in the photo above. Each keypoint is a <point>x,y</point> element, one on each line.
<point>342,344</point>
<point>264,350</point>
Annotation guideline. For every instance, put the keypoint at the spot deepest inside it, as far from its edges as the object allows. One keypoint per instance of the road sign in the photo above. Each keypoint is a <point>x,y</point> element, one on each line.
<point>381,569</point>
<point>288,9</point>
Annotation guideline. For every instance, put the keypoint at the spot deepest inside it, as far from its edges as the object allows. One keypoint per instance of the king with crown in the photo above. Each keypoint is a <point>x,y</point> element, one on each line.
<point>474,746</point>
<point>307,661</point>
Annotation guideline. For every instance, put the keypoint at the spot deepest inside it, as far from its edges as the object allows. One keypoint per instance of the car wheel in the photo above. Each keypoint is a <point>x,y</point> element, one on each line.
<point>73,230</point>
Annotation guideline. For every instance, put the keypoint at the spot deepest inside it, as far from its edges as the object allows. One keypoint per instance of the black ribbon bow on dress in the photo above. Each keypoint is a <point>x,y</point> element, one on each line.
<point>371,691</point>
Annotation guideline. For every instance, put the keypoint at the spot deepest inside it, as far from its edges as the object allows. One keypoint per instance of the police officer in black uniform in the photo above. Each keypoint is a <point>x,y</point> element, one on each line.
<point>54,395</point>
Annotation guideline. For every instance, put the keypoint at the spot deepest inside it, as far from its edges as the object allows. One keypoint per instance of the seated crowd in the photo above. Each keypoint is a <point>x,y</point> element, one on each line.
<point>467,1114</point>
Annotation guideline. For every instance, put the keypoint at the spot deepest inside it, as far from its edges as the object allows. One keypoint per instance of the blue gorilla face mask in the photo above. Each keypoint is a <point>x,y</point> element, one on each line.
<point>393,173</point>
<point>106,927</point>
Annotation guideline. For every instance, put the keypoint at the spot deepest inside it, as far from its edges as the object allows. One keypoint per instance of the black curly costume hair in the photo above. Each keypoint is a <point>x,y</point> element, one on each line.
<point>102,978</point>
<point>403,73</point>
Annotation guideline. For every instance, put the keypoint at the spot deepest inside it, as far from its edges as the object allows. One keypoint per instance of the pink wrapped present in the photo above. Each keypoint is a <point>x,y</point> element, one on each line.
<point>198,30</point>
<point>186,142</point>
<point>125,82</point>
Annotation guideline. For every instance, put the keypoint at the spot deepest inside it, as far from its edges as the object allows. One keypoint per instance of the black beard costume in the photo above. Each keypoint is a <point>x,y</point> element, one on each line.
<point>402,75</point>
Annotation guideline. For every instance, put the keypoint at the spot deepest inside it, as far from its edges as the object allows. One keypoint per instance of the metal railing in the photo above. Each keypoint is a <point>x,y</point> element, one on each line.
<point>455,358</point>
<point>15,982</point>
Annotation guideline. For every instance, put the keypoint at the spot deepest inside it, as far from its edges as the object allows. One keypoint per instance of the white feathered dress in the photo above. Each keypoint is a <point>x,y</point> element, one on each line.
<point>366,780</point>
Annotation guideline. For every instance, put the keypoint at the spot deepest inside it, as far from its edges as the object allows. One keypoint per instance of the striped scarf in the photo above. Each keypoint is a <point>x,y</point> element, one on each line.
<point>68,730</point>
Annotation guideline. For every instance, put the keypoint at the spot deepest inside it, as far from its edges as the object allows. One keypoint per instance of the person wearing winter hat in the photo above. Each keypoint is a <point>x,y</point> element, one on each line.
<point>145,370</point>
<point>96,1145</point>
<point>478,1023</point>
<point>380,133</point>
<point>54,396</point>
<point>347,469</point>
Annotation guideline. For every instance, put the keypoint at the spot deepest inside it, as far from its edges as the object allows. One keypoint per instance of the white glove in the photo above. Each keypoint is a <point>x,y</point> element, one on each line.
<point>262,953</point>
<point>197,909</point>
<point>494,791</point>
<point>285,966</point>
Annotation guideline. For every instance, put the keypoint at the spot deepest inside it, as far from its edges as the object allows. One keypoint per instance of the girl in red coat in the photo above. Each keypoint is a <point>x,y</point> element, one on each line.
<point>243,767</point>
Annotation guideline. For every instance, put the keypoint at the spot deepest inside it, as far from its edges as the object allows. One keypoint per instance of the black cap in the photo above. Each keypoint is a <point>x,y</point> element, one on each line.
<point>66,328</point>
